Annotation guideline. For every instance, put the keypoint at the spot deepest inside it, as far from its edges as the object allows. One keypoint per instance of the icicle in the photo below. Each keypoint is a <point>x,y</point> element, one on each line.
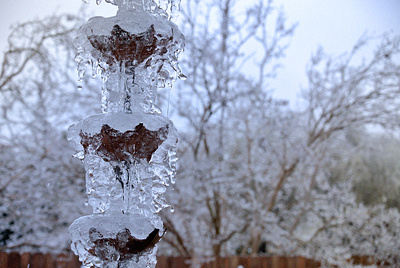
<point>129,151</point>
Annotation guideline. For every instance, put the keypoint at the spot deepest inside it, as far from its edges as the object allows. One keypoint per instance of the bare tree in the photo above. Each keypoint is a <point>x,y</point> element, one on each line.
<point>41,187</point>
<point>342,93</point>
<point>259,167</point>
<point>220,38</point>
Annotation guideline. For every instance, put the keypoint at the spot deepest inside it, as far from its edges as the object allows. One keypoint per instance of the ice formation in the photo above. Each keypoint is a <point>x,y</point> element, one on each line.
<point>129,151</point>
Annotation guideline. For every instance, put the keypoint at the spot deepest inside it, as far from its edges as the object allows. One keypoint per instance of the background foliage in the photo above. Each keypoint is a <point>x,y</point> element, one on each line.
<point>256,175</point>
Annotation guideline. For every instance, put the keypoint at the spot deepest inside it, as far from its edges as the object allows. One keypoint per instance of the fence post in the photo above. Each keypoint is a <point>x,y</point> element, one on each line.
<point>291,262</point>
<point>226,262</point>
<point>62,260</point>
<point>25,259</point>
<point>161,262</point>
<point>245,261</point>
<point>179,262</point>
<point>49,261</point>
<point>3,260</point>
<point>75,263</point>
<point>266,262</point>
<point>234,262</point>
<point>312,264</point>
<point>275,262</point>
<point>256,262</point>
<point>14,260</point>
<point>37,261</point>
<point>301,262</point>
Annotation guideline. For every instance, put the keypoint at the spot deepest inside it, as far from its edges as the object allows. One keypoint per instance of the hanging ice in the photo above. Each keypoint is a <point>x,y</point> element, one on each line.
<point>129,150</point>
<point>135,52</point>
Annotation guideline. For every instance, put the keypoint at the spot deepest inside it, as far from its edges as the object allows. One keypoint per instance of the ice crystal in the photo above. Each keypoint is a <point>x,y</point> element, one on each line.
<point>129,151</point>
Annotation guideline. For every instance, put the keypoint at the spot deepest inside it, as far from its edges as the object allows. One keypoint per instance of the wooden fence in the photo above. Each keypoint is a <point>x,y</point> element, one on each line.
<point>245,262</point>
<point>39,260</point>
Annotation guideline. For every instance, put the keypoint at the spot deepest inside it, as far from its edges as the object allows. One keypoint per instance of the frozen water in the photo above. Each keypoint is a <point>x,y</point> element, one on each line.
<point>129,151</point>
<point>103,241</point>
<point>134,176</point>
<point>164,7</point>
<point>135,53</point>
<point>129,161</point>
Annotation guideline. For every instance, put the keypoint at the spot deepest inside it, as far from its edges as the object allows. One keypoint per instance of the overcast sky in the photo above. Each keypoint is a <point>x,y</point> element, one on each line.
<point>333,24</point>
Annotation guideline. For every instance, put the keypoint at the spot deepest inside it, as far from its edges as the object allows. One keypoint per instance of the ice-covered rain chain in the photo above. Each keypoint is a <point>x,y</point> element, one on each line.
<point>129,151</point>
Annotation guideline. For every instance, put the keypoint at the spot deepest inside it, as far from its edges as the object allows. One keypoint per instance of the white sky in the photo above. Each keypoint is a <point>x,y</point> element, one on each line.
<point>333,24</point>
